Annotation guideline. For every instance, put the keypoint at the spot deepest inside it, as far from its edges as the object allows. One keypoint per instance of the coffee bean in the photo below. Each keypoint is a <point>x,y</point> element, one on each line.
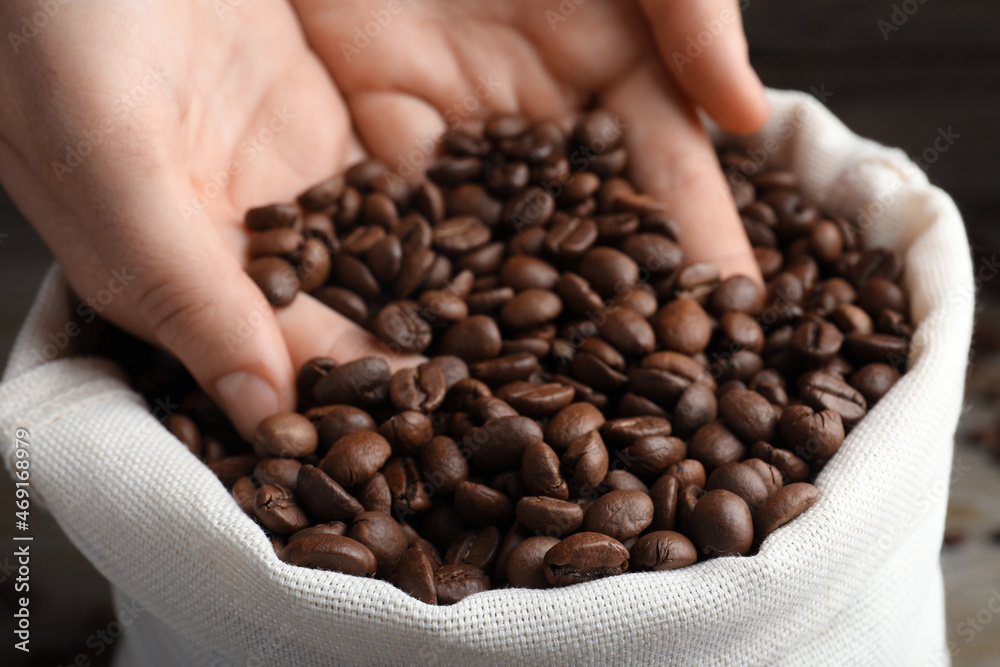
<point>530,207</point>
<point>627,430</point>
<point>407,432</point>
<point>770,475</point>
<point>474,339</point>
<point>383,536</point>
<point>324,498</point>
<point>570,423</point>
<point>231,468</point>
<point>537,400</point>
<point>409,494</point>
<point>883,348</point>
<point>737,293</point>
<point>662,550</point>
<point>276,509</point>
<point>811,434</point>
<point>822,391</point>
<point>586,461</point>
<point>354,458</point>
<point>339,420</point>
<point>748,414</point>
<point>349,382</point>
<point>621,479</point>
<point>577,295</point>
<point>742,480</point>
<point>793,469</point>
<point>651,455</point>
<point>399,324</point>
<point>787,503</point>
<point>664,496</point>
<point>332,552</point>
<point>351,273</point>
<point>502,370</point>
<point>874,381</point>
<point>244,491</point>
<point>530,308</point>
<point>330,528</point>
<point>721,524</point>
<point>443,465</point>
<point>282,241</point>
<point>655,253</point>
<point>481,505</point>
<point>549,516</point>
<point>345,302</point>
<point>569,237</point>
<point>816,341</point>
<point>276,278</point>
<point>714,444</point>
<point>608,270</point>
<point>619,514</point>
<point>460,234</point>
<point>285,434</point>
<point>280,472</point>
<point>683,326</point>
<point>696,407</point>
<point>274,215</point>
<point>374,495</point>
<point>476,547</point>
<point>185,430</point>
<point>525,567</point>
<point>323,195</point>
<point>415,576</point>
<point>499,444</point>
<point>584,557</point>
<point>421,388</point>
<point>628,332</point>
<point>454,583</point>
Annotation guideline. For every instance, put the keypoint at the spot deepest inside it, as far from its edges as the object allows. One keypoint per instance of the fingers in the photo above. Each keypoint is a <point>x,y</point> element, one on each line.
<point>702,45</point>
<point>311,329</point>
<point>673,159</point>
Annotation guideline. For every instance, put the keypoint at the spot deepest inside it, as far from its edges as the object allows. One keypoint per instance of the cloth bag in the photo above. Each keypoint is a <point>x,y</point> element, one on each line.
<point>853,581</point>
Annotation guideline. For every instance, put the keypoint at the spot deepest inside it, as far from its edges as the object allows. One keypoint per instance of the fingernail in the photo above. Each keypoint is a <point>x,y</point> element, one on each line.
<point>246,398</point>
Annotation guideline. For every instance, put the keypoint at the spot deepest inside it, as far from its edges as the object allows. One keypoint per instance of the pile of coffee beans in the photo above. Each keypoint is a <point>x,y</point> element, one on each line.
<point>591,403</point>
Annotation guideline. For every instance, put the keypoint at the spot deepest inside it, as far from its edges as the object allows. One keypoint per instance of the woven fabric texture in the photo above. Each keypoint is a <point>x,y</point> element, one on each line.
<point>855,580</point>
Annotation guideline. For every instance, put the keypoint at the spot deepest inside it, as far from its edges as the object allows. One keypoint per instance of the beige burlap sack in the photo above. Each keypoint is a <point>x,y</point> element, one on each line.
<point>853,581</point>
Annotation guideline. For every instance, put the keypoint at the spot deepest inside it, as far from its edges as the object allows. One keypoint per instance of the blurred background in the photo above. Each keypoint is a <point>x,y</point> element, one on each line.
<point>899,72</point>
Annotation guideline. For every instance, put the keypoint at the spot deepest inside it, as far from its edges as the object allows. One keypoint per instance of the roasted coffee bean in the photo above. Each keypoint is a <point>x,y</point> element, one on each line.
<point>244,491</point>
<point>399,324</point>
<point>851,319</point>
<point>662,550</point>
<point>742,480</point>
<point>793,469</point>
<point>311,373</point>
<point>687,500</point>
<point>811,434</point>
<point>385,258</point>
<point>501,370</point>
<point>345,302</point>
<point>185,430</point>
<point>714,444</point>
<point>822,391</point>
<point>748,414</point>
<point>374,495</point>
<point>530,207</point>
<point>409,494</point>
<point>650,456</point>
<point>787,503</point>
<point>276,278</point>
<point>696,407</point>
<point>569,237</point>
<point>627,430</point>
<point>639,300</point>
<point>570,423</point>
<point>874,381</point>
<point>530,308</point>
<point>577,295</point>
<point>282,241</point>
<point>407,432</point>
<point>525,566</point>
<point>883,348</point>
<point>770,475</point>
<point>683,326</point>
<point>276,509</point>
<point>231,468</point>
<point>523,272</point>
<point>622,479</point>
<point>537,400</point>
<point>330,528</point>
<point>351,273</point>
<point>339,420</point>
<point>323,195</point>
<point>737,293</point>
<point>816,341</point>
<point>481,505</point>
<point>628,331</point>
<point>877,263</point>
<point>549,516</point>
<point>655,253</point>
<point>663,494</point>
<point>454,583</point>
<point>275,215</point>
<point>460,234</point>
<point>585,461</point>
<point>280,472</point>
<point>349,382</point>
<point>285,434</point>
<point>383,536</point>
<point>688,472</point>
<point>476,547</point>
<point>443,465</point>
<point>619,514</point>
<point>332,552</point>
<point>540,471</point>
<point>487,408</point>
<point>354,458</point>
<point>324,498</point>
<point>608,270</point>
<point>584,557</point>
<point>415,576</point>
<point>721,524</point>
<point>633,405</point>
<point>499,444</point>
<point>421,388</point>
<point>474,339</point>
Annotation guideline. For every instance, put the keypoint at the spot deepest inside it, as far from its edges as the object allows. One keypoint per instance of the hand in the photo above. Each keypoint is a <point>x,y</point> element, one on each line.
<point>135,137</point>
<point>424,65</point>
